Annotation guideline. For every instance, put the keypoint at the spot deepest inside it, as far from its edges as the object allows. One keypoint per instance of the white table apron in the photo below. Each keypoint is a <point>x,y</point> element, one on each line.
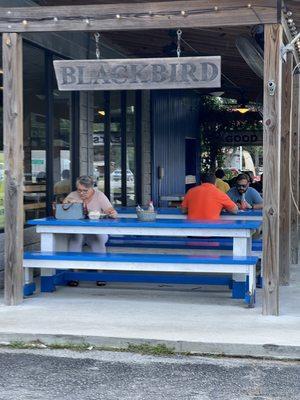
<point>55,238</point>
<point>183,216</point>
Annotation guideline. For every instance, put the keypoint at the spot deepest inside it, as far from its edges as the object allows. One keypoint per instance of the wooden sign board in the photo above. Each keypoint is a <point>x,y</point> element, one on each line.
<point>242,138</point>
<point>136,74</point>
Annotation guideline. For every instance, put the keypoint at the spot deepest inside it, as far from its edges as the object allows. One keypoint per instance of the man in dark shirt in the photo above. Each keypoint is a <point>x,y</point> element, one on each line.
<point>252,197</point>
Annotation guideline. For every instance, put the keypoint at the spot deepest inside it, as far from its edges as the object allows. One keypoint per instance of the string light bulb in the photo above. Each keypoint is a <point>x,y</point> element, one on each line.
<point>87,21</point>
<point>118,16</point>
<point>24,22</point>
<point>249,5</point>
<point>183,13</point>
<point>216,8</point>
<point>55,19</point>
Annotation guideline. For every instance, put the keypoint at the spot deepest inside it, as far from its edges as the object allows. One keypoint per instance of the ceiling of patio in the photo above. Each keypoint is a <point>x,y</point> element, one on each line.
<point>237,76</point>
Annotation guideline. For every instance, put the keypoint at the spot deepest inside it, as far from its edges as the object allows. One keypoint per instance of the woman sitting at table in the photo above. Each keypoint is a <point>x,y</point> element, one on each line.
<point>93,200</point>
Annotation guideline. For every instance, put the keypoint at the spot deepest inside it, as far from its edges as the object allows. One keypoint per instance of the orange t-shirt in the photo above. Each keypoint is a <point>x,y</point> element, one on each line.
<point>206,202</point>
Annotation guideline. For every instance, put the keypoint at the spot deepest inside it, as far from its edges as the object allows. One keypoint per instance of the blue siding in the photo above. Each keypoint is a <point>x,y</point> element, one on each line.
<point>174,116</point>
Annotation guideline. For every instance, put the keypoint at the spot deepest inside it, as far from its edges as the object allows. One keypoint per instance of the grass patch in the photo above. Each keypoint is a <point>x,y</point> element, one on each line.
<point>18,345</point>
<point>72,346</point>
<point>145,348</point>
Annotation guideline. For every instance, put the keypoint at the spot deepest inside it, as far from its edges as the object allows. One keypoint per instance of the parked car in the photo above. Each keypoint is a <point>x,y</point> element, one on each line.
<point>116,175</point>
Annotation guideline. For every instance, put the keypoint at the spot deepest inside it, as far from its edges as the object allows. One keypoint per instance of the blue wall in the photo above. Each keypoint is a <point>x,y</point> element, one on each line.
<point>174,117</point>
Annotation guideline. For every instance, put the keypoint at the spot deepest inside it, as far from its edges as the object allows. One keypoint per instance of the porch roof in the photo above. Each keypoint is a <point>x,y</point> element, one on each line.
<point>238,79</point>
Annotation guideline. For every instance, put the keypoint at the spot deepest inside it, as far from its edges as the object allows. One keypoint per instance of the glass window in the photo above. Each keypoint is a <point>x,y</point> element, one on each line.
<point>1,145</point>
<point>115,148</point>
<point>98,139</point>
<point>130,151</point>
<point>113,118</point>
<point>34,132</point>
<point>62,137</point>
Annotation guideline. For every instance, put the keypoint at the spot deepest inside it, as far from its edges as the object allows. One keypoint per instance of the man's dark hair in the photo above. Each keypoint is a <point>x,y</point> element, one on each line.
<point>208,178</point>
<point>220,173</point>
<point>65,174</point>
<point>242,176</point>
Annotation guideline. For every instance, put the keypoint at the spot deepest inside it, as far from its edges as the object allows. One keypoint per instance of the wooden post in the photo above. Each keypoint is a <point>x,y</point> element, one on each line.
<point>271,148</point>
<point>295,169</point>
<point>13,158</point>
<point>284,178</point>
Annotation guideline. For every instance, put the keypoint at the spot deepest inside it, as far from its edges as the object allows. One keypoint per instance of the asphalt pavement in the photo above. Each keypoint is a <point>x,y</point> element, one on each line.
<point>89,375</point>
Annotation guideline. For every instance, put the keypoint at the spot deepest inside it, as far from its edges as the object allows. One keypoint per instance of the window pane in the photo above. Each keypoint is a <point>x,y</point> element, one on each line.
<point>98,139</point>
<point>115,148</point>
<point>34,132</point>
<point>130,163</point>
<point>62,134</point>
<point>1,144</point>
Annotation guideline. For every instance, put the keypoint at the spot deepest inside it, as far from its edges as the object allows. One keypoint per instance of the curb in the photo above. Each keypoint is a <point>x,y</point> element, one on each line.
<point>268,350</point>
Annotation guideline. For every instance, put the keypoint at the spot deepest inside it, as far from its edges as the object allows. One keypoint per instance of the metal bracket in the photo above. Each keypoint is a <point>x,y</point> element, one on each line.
<point>271,87</point>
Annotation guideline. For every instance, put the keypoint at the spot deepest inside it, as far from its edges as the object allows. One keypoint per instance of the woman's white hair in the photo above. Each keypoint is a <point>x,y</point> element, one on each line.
<point>85,180</point>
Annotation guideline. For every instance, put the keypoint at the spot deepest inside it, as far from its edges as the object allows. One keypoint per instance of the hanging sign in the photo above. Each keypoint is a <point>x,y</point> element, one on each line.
<point>148,73</point>
<point>241,138</point>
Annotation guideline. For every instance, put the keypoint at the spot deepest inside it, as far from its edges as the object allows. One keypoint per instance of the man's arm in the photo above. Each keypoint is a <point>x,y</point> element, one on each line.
<point>257,206</point>
<point>233,210</point>
<point>184,205</point>
<point>257,200</point>
<point>229,204</point>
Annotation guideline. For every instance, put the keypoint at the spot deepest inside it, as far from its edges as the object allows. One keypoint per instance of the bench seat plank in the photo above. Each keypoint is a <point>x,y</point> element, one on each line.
<point>141,258</point>
<point>177,243</point>
<point>147,263</point>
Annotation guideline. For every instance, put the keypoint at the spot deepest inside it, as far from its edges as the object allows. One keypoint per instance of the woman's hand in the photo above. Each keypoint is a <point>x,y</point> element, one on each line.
<point>111,213</point>
<point>69,201</point>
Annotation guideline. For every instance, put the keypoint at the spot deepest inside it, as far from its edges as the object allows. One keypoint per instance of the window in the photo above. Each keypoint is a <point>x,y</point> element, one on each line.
<point>114,134</point>
<point>49,131</point>
<point>130,149</point>
<point>100,113</point>
<point>115,147</point>
<point>62,138</point>
<point>1,145</point>
<point>34,104</point>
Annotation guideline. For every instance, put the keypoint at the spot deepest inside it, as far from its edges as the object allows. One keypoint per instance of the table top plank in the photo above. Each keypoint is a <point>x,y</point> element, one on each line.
<point>159,223</point>
<point>177,211</point>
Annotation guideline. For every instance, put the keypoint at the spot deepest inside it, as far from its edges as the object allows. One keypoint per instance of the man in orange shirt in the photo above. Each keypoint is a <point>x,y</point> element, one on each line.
<point>205,202</point>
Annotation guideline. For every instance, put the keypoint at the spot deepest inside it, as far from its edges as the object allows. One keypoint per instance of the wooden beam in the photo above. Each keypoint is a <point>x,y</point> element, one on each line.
<point>13,159</point>
<point>271,148</point>
<point>295,143</point>
<point>289,37</point>
<point>137,16</point>
<point>284,178</point>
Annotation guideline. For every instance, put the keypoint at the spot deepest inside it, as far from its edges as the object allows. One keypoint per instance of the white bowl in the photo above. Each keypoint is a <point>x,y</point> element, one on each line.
<point>94,215</point>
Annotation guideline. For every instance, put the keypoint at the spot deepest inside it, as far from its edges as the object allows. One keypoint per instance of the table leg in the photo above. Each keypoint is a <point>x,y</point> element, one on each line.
<point>250,295</point>
<point>242,248</point>
<point>48,243</point>
<point>29,285</point>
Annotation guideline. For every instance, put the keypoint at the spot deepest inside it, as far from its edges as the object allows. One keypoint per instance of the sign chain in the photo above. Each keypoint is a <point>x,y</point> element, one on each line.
<point>179,33</point>
<point>97,40</point>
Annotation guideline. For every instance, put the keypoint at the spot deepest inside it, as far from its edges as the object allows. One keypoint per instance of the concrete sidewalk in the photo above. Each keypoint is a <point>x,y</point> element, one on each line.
<point>186,318</point>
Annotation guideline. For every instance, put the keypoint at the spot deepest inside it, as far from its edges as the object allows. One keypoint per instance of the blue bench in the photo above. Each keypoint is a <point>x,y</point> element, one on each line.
<point>143,268</point>
<point>180,245</point>
<point>158,242</point>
